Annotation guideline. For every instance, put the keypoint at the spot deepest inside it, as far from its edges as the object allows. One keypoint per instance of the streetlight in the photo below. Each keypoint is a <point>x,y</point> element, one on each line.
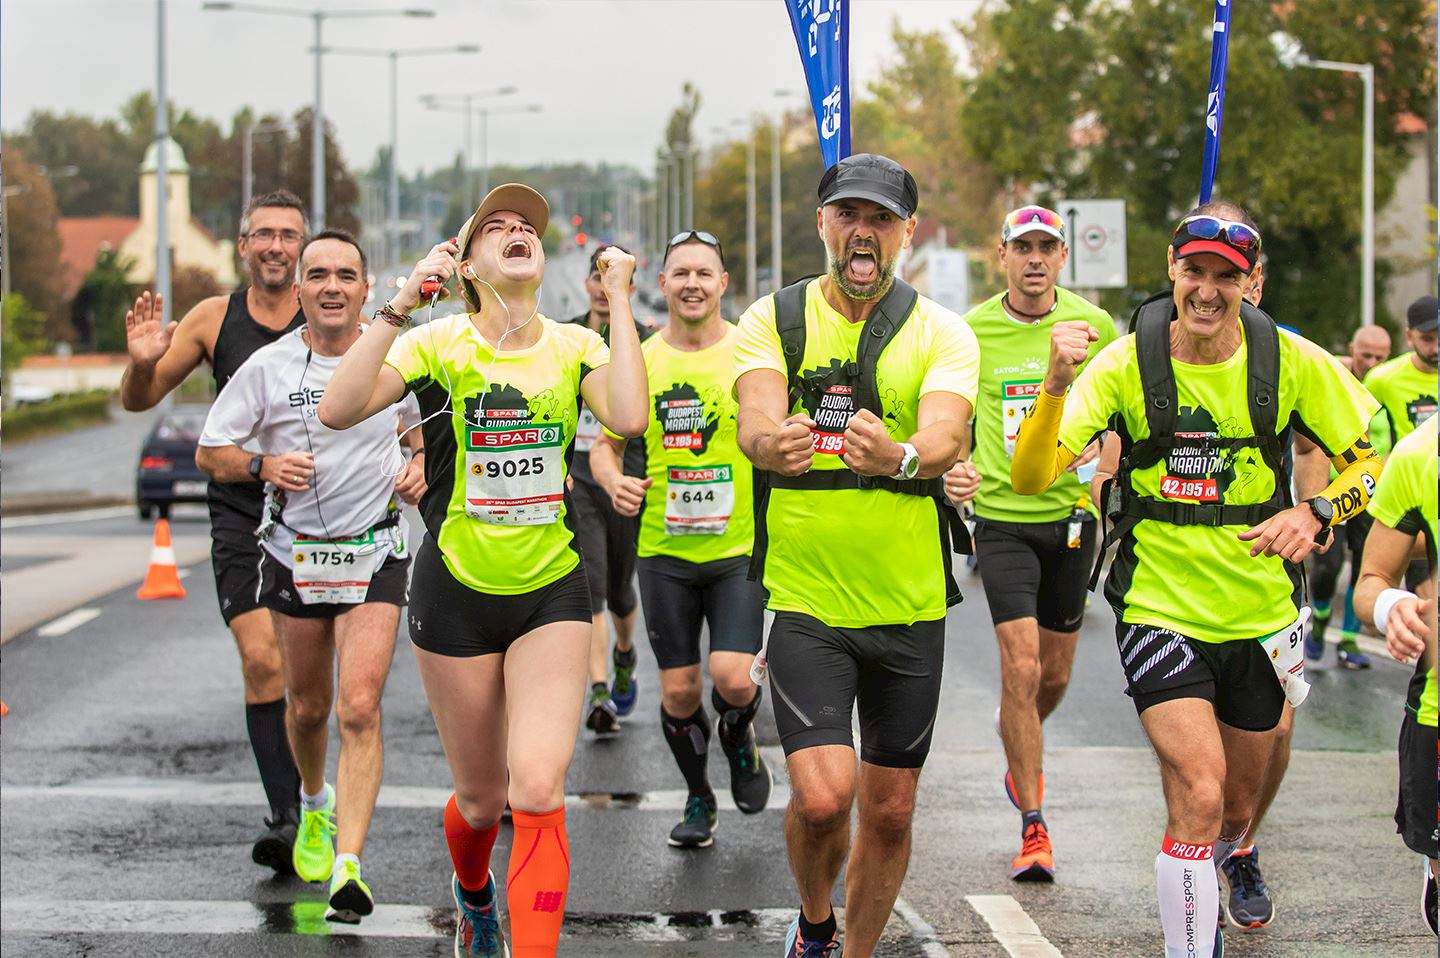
<point>775,224</point>
<point>317,128</point>
<point>465,103</point>
<point>751,280</point>
<point>247,157</point>
<point>162,170</point>
<point>393,210</point>
<point>1367,242</point>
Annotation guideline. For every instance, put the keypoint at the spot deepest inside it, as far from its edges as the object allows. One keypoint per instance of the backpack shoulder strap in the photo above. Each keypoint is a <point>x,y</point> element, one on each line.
<point>1151,323</point>
<point>1262,345</point>
<point>881,326</point>
<point>790,327</point>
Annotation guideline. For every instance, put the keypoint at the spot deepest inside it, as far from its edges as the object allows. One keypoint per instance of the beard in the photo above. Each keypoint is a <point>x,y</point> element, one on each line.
<point>866,292</point>
<point>258,278</point>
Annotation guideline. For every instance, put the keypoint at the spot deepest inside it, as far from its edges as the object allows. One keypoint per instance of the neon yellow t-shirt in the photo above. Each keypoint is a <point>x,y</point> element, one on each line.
<point>1405,501</point>
<point>498,430</point>
<point>699,506</point>
<point>859,557</point>
<point>1201,581</point>
<point>1013,354</point>
<point>1406,395</point>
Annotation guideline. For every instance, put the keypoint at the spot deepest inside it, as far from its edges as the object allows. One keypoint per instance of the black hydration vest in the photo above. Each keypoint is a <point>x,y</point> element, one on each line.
<point>885,320</point>
<point>1123,506</point>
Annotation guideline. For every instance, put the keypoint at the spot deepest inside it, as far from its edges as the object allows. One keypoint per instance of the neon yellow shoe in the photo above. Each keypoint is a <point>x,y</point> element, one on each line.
<point>350,898</point>
<point>314,854</point>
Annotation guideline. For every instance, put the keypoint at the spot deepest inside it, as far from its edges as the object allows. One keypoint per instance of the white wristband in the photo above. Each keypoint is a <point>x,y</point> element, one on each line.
<point>1385,602</point>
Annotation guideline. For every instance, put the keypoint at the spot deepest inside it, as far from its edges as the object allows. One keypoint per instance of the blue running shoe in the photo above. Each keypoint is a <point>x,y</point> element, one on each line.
<point>477,930</point>
<point>797,947</point>
<point>625,684</point>
<point>1250,904</point>
<point>1350,655</point>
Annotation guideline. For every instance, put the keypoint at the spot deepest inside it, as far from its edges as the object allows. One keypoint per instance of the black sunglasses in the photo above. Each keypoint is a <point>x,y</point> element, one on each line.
<point>684,237</point>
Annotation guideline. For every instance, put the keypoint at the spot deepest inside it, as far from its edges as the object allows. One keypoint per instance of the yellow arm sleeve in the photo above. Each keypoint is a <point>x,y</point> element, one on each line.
<point>1358,468</point>
<point>1039,457</point>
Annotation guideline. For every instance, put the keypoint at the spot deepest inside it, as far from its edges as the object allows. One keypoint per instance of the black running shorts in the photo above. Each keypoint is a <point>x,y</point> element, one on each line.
<point>1236,677</point>
<point>819,674</point>
<point>448,617</point>
<point>606,540</point>
<point>1416,811</point>
<point>1030,571</point>
<point>389,584</point>
<point>235,550</point>
<point>679,596</point>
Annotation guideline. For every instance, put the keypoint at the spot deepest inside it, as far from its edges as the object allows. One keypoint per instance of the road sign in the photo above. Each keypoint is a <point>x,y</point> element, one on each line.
<point>949,276</point>
<point>1096,231</point>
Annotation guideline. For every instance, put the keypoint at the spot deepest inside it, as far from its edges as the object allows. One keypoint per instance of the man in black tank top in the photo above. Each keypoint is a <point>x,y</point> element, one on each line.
<point>224,331</point>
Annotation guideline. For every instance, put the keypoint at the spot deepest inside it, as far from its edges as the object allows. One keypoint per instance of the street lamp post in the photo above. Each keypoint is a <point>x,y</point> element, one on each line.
<point>392,212</point>
<point>317,124</point>
<point>776,219</point>
<point>247,158</point>
<point>1367,242</point>
<point>465,103</point>
<point>162,170</point>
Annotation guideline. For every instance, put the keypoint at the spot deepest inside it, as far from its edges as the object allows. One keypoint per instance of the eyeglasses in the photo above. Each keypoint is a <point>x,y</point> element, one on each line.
<point>1029,216</point>
<point>684,237</point>
<point>1238,236</point>
<point>265,236</point>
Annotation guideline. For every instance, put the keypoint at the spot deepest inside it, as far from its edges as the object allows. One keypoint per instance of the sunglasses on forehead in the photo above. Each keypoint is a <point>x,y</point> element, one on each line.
<point>1235,235</point>
<point>699,235</point>
<point>1034,214</point>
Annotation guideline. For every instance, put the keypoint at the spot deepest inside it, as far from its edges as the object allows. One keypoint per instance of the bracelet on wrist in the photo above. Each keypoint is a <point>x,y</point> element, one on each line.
<point>392,316</point>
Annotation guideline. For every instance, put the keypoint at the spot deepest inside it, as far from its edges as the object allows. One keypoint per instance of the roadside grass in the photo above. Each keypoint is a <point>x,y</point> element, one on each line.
<point>61,414</point>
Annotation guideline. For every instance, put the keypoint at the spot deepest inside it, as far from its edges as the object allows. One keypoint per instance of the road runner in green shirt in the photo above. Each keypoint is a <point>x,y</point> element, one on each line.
<point>1035,552</point>
<point>1406,385</point>
<point>696,533</point>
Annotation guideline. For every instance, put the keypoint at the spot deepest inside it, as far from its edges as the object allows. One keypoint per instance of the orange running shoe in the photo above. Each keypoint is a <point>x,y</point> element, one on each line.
<point>1036,861</point>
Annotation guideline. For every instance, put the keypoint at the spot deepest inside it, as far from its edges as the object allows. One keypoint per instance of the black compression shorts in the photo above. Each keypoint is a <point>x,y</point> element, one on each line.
<point>819,674</point>
<point>1416,810</point>
<point>1236,677</point>
<point>607,541</point>
<point>448,617</point>
<point>1030,571</point>
<point>235,552</point>
<point>389,584</point>
<point>679,596</point>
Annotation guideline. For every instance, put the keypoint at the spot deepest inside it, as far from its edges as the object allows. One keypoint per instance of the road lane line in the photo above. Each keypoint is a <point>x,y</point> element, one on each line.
<point>68,622</point>
<point>1012,928</point>
<point>925,936</point>
<point>63,518</point>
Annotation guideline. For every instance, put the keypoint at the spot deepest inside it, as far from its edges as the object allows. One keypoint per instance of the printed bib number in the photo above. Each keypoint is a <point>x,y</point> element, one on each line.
<point>329,571</point>
<point>587,430</point>
<point>698,502</point>
<point>1191,469</point>
<point>514,474</point>
<point>1196,490</point>
<point>1017,396</point>
<point>1285,651</point>
<point>837,405</point>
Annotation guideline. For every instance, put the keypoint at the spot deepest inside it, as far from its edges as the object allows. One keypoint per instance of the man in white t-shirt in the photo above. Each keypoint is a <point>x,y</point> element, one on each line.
<point>335,562</point>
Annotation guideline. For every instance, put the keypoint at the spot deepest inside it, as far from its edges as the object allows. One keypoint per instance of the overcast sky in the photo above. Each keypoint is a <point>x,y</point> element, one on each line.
<point>607,73</point>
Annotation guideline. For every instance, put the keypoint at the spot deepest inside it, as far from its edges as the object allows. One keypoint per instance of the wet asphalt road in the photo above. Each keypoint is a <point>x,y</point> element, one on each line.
<point>128,800</point>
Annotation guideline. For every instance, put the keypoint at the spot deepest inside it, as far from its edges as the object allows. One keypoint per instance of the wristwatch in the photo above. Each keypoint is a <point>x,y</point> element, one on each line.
<point>1324,510</point>
<point>909,462</point>
<point>256,464</point>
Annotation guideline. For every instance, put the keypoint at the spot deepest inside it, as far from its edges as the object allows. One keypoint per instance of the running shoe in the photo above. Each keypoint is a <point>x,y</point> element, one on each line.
<point>697,828</point>
<point>624,686</point>
<point>1015,799</point>
<point>350,898</point>
<point>314,855</point>
<point>750,778</point>
<point>1351,657</point>
<point>1430,901</point>
<point>1219,949</point>
<point>1036,861</point>
<point>1315,640</point>
<point>275,848</point>
<point>1249,904</point>
<point>477,930</point>
<point>797,947</point>
<point>602,719</point>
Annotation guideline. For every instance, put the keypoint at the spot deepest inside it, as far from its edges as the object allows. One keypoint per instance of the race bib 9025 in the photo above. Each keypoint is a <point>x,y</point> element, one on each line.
<point>514,473</point>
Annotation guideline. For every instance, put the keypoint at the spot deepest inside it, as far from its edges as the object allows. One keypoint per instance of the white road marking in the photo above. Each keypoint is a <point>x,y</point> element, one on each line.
<point>168,791</point>
<point>1012,927</point>
<point>63,518</point>
<point>925,936</point>
<point>67,622</point>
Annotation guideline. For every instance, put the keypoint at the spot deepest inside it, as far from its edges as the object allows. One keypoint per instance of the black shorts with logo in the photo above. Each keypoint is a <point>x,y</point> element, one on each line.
<point>607,541</point>
<point>447,617</point>
<point>680,596</point>
<point>390,584</point>
<point>235,510</point>
<point>1030,571</point>
<point>819,673</point>
<point>1236,677</point>
<point>1416,810</point>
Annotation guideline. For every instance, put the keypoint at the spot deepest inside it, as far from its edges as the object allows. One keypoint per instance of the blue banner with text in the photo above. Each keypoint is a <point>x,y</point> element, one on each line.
<point>822,32</point>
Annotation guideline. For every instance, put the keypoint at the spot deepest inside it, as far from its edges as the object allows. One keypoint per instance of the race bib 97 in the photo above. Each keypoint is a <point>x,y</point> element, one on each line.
<point>514,473</point>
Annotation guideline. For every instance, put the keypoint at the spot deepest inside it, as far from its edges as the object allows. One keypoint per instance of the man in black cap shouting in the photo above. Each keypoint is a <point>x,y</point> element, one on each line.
<point>854,396</point>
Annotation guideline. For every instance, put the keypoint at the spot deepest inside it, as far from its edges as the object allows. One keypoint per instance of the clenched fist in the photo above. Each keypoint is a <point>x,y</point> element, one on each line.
<point>869,450</point>
<point>791,446</point>
<point>962,482</point>
<point>617,269</point>
<point>1069,346</point>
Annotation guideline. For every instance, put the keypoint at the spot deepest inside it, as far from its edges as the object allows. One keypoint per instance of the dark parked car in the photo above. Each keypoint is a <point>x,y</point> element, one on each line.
<point>167,472</point>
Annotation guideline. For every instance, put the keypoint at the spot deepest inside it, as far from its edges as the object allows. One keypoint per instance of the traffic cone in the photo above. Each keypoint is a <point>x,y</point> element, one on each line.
<point>162,581</point>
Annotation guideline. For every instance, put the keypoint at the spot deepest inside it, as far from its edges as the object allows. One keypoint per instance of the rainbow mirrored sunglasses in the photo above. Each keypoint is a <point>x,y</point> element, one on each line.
<point>1243,239</point>
<point>1018,222</point>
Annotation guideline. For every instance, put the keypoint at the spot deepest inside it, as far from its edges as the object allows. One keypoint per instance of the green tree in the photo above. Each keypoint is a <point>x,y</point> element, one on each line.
<point>33,240</point>
<point>22,333</point>
<point>100,302</point>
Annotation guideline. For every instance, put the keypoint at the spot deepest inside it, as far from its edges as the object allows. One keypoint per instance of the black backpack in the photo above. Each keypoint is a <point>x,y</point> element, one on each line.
<point>1125,508</point>
<point>884,321</point>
